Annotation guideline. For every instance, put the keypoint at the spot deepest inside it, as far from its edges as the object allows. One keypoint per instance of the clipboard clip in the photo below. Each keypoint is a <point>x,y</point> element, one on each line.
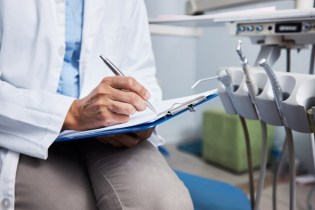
<point>178,107</point>
<point>191,108</point>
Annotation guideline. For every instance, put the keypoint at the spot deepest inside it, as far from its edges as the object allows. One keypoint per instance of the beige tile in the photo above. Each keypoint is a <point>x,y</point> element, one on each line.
<point>195,165</point>
<point>283,197</point>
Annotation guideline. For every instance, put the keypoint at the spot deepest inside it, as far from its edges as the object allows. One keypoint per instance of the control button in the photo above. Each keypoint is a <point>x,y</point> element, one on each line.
<point>258,28</point>
<point>306,26</point>
<point>249,28</point>
<point>241,29</point>
<point>61,51</point>
<point>5,204</point>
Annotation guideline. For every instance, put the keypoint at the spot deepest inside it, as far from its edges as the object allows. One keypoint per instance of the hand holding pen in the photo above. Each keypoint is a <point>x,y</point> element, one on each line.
<point>107,104</point>
<point>117,72</point>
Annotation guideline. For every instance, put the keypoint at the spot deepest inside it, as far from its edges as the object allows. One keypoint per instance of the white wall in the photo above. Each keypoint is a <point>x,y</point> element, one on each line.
<point>176,64</point>
<point>181,61</point>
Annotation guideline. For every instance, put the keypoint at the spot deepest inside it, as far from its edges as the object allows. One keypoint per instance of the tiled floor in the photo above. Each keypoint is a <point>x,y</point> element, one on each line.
<point>192,164</point>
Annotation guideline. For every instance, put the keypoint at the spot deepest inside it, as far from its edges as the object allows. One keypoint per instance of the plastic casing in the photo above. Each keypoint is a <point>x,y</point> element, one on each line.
<point>298,97</point>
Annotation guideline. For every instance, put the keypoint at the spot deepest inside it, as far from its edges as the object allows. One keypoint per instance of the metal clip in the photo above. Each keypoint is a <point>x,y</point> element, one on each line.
<point>191,108</point>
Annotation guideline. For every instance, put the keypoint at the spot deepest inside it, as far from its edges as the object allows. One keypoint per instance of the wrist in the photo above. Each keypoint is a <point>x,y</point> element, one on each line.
<point>70,122</point>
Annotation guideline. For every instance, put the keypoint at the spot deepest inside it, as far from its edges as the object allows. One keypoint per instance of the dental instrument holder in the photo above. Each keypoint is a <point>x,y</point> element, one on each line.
<point>227,85</point>
<point>293,107</point>
<point>299,96</point>
<point>241,104</point>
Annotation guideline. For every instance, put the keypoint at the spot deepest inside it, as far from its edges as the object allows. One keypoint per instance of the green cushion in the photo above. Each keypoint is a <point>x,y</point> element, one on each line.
<point>224,144</point>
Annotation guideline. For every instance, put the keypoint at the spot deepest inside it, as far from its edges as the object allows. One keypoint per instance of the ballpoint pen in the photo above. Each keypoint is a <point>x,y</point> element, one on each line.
<point>117,72</point>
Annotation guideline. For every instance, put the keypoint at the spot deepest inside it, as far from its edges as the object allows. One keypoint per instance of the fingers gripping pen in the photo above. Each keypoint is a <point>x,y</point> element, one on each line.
<point>251,85</point>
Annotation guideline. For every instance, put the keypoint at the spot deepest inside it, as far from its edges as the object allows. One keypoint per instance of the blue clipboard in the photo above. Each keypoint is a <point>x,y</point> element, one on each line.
<point>169,114</point>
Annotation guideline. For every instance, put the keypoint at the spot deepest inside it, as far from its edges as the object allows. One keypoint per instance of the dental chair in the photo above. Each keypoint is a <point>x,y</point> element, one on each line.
<point>209,194</point>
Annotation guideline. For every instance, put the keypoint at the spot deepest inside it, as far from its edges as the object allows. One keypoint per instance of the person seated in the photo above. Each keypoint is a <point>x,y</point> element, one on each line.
<point>52,79</point>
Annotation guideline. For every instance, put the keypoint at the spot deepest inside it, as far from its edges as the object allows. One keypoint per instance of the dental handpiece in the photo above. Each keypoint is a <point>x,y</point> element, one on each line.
<point>203,80</point>
<point>278,95</point>
<point>250,83</point>
<point>224,77</point>
<point>276,88</point>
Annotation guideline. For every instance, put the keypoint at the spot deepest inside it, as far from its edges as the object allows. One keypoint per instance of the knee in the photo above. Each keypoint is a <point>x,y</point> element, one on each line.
<point>176,197</point>
<point>165,193</point>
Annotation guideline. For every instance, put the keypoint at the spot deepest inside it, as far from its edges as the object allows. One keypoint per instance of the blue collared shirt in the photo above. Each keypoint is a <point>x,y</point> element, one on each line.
<point>69,83</point>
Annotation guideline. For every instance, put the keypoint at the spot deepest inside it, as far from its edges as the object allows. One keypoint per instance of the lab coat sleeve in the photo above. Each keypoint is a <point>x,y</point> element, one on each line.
<point>30,120</point>
<point>139,59</point>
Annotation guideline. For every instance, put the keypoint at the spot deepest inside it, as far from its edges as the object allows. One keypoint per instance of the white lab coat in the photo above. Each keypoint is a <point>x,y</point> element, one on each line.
<point>32,48</point>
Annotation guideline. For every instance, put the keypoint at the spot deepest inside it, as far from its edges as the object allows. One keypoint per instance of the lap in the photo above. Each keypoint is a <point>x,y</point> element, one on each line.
<point>60,182</point>
<point>106,178</point>
<point>134,178</point>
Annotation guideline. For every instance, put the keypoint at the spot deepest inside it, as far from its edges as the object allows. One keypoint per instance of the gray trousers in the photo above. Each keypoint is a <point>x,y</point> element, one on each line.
<point>89,175</point>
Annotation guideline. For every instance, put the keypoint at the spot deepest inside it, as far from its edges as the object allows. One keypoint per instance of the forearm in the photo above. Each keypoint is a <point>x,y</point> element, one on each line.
<point>30,120</point>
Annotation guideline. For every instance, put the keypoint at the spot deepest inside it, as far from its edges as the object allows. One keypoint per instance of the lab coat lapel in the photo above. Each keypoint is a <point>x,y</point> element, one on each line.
<point>93,13</point>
